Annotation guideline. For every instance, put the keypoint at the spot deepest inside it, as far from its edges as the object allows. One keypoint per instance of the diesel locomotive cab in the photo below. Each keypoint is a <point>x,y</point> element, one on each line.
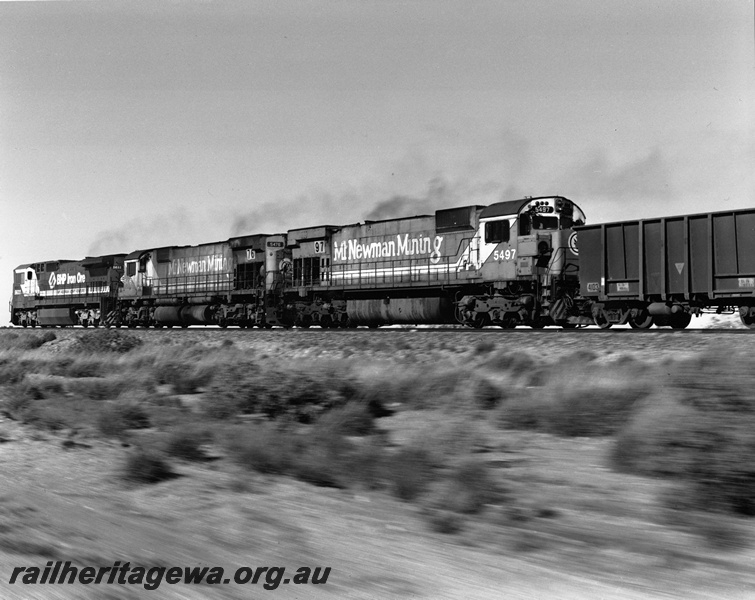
<point>527,257</point>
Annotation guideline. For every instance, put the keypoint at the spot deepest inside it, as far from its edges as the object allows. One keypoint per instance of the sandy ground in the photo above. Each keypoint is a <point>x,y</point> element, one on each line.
<point>584,532</point>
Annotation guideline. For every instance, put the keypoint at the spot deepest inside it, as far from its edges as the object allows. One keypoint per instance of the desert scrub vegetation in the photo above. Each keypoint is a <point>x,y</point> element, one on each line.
<point>444,475</point>
<point>24,340</point>
<point>187,443</point>
<point>143,466</point>
<point>699,432</point>
<point>106,340</point>
<point>574,398</point>
<point>709,449</point>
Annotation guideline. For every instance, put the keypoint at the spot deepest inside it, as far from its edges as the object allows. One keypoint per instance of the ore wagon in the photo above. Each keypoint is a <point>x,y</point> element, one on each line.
<point>662,271</point>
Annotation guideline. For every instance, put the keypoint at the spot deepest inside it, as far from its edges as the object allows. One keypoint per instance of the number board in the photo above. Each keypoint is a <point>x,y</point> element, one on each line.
<point>319,247</point>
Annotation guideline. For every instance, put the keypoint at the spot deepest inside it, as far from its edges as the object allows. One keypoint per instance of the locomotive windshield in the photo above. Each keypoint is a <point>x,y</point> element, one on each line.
<point>536,222</point>
<point>550,215</point>
<point>573,218</point>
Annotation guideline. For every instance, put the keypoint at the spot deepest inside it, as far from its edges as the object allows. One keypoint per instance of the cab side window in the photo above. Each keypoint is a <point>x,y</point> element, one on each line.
<point>497,232</point>
<point>524,225</point>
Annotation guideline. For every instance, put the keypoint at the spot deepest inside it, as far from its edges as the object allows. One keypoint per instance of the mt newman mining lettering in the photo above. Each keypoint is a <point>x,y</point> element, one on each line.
<point>214,263</point>
<point>402,246</point>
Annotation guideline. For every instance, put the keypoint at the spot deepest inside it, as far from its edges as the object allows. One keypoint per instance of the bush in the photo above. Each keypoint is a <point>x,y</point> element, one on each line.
<point>444,521</point>
<point>410,471</point>
<point>467,488</point>
<point>80,367</point>
<point>184,377</point>
<point>581,406</point>
<point>97,388</point>
<point>353,418</point>
<point>26,340</point>
<point>49,415</point>
<point>709,450</point>
<point>114,419</point>
<point>263,448</point>
<point>11,371</point>
<point>145,467</point>
<point>107,340</point>
<point>221,403</point>
<point>486,394</point>
<point>186,444</point>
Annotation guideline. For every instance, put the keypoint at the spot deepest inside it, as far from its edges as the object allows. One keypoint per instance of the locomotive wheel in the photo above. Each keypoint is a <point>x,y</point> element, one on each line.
<point>568,326</point>
<point>643,320</point>
<point>84,323</point>
<point>509,322</point>
<point>537,324</point>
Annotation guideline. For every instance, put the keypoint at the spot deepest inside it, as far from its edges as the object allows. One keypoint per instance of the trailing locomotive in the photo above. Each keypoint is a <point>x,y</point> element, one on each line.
<point>66,292</point>
<point>508,264</point>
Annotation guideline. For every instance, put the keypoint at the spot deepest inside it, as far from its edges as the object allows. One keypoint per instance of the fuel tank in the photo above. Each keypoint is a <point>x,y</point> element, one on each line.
<point>184,315</point>
<point>56,316</point>
<point>400,310</point>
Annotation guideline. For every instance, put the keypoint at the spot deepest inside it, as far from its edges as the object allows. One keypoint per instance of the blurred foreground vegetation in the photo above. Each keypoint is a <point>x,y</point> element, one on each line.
<point>320,417</point>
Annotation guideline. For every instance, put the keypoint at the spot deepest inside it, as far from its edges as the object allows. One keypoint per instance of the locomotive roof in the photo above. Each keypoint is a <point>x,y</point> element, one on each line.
<point>510,207</point>
<point>99,260</point>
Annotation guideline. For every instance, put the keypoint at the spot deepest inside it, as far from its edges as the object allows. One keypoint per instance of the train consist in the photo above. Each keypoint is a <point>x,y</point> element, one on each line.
<point>530,262</point>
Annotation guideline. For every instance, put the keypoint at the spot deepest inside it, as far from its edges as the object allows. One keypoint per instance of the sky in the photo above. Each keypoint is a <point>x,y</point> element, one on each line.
<point>128,125</point>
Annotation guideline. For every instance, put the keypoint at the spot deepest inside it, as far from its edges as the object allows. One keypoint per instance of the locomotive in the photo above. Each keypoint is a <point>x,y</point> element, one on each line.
<point>508,264</point>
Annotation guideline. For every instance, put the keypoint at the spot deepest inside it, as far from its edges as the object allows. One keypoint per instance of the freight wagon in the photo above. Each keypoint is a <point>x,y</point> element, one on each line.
<point>662,271</point>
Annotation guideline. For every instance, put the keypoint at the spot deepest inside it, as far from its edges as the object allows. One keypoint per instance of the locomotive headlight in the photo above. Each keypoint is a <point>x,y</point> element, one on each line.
<point>543,247</point>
